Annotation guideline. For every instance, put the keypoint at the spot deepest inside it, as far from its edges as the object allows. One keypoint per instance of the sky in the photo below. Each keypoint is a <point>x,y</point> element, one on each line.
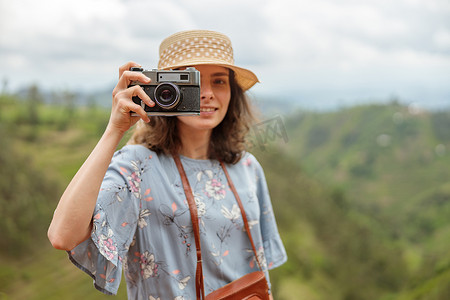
<point>321,53</point>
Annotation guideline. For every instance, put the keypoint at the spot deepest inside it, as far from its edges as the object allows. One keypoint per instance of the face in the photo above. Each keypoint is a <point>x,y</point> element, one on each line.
<point>215,95</point>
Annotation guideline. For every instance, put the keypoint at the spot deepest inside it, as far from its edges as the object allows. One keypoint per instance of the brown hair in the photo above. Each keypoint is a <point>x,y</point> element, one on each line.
<point>228,139</point>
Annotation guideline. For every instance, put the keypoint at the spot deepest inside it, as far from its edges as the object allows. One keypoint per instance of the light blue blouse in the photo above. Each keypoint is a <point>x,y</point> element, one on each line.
<point>142,226</point>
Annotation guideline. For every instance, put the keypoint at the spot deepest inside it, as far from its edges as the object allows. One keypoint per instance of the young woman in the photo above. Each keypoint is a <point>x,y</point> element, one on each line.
<point>127,210</point>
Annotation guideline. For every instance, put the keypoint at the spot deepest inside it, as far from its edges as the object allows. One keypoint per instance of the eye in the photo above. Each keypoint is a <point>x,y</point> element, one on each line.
<point>220,81</point>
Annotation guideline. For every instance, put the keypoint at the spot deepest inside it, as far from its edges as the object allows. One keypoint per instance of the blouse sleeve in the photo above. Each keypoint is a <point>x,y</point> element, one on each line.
<point>114,219</point>
<point>274,250</point>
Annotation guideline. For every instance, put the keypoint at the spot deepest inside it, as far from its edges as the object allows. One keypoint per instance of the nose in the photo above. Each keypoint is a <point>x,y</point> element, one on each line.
<point>206,92</point>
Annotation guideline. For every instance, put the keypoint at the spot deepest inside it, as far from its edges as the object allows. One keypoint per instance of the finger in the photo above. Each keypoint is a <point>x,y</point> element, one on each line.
<point>127,67</point>
<point>144,96</point>
<point>124,105</point>
<point>133,107</point>
<point>127,78</point>
<point>127,105</point>
<point>135,76</point>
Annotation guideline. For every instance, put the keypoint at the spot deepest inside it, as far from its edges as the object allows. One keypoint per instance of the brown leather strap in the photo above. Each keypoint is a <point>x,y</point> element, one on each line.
<point>244,216</point>
<point>194,216</point>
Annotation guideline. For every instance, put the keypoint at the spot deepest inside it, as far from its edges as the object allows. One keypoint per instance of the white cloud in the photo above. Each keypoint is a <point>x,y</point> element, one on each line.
<point>441,39</point>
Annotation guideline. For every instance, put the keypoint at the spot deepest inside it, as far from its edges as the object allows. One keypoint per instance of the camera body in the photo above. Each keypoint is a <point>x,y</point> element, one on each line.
<point>175,92</point>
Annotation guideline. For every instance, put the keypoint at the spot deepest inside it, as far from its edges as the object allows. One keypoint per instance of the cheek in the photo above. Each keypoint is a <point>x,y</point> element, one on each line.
<point>224,98</point>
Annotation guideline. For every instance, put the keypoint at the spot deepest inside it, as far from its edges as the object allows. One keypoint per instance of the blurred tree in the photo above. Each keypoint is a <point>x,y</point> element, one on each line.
<point>4,86</point>
<point>69,99</point>
<point>26,194</point>
<point>34,99</point>
<point>441,125</point>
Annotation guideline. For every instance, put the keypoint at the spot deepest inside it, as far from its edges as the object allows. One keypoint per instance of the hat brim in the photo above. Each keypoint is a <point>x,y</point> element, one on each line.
<point>244,77</point>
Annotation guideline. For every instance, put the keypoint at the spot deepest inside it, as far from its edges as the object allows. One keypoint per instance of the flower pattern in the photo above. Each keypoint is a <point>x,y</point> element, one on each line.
<point>215,189</point>
<point>232,214</point>
<point>107,247</point>
<point>148,266</point>
<point>143,214</point>
<point>201,206</point>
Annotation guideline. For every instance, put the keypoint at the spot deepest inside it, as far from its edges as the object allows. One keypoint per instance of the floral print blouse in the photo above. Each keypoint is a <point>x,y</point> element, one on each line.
<point>142,226</point>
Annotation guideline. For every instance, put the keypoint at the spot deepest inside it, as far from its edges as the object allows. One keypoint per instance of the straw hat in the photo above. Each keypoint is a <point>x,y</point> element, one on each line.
<point>202,47</point>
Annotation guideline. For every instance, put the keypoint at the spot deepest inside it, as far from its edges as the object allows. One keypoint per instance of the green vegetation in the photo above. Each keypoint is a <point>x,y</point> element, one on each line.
<point>391,163</point>
<point>361,195</point>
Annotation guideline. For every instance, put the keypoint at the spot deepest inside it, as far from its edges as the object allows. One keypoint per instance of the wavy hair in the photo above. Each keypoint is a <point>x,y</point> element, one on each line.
<point>228,139</point>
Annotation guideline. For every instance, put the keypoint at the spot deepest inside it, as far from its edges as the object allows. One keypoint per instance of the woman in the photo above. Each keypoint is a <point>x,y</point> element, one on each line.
<point>127,210</point>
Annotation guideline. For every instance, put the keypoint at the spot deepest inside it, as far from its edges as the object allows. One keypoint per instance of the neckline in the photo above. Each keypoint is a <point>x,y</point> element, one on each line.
<point>185,158</point>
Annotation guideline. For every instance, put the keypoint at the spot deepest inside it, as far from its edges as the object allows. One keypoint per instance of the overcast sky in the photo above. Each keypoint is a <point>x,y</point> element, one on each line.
<point>321,52</point>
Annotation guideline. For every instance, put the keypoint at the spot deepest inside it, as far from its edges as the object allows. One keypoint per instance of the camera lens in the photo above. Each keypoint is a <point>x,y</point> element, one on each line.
<point>167,95</point>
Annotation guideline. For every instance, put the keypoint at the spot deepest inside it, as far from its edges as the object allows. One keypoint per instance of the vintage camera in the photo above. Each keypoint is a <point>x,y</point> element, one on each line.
<point>175,92</point>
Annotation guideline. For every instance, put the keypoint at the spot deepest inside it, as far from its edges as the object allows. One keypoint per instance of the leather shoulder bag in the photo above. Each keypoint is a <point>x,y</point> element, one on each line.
<point>252,286</point>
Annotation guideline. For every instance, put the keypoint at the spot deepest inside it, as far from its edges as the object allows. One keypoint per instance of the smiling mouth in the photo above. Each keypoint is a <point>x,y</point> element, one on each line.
<point>207,109</point>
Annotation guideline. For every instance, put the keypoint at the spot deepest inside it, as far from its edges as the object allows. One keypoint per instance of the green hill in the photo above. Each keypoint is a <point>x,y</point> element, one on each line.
<point>361,203</point>
<point>392,163</point>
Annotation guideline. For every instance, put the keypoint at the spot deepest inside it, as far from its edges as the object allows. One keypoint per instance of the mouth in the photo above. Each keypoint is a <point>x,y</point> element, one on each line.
<point>207,109</point>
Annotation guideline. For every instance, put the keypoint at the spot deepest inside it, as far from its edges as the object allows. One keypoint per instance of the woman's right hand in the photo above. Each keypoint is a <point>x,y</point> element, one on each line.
<point>122,104</point>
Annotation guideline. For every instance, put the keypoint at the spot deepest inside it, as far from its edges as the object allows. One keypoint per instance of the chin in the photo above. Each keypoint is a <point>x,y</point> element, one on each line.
<point>197,123</point>
<point>205,125</point>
